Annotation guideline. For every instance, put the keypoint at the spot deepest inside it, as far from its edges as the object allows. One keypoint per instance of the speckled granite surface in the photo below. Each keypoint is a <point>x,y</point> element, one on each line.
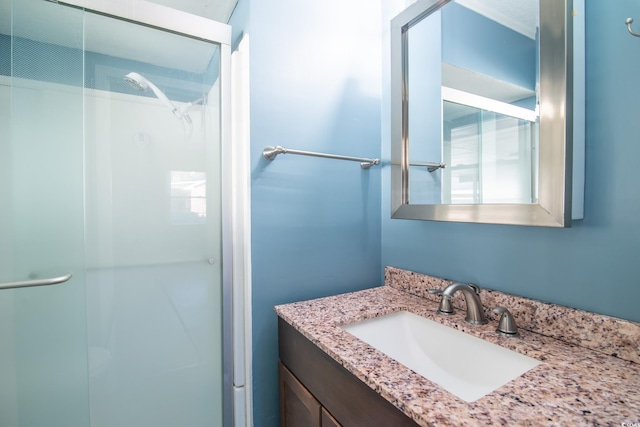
<point>615,337</point>
<point>572,386</point>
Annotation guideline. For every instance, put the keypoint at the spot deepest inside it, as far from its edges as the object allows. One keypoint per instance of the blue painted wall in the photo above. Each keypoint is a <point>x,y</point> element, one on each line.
<point>317,225</point>
<point>471,41</point>
<point>315,85</point>
<point>594,265</point>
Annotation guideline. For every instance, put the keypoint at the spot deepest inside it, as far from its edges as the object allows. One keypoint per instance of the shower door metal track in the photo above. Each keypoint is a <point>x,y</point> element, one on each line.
<point>157,16</point>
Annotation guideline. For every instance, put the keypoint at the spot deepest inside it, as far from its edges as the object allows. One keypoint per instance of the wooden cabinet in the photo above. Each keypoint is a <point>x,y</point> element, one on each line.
<point>298,407</point>
<point>328,420</point>
<point>315,390</point>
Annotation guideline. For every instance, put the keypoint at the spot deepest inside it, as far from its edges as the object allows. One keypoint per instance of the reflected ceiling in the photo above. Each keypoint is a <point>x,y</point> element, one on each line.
<point>520,15</point>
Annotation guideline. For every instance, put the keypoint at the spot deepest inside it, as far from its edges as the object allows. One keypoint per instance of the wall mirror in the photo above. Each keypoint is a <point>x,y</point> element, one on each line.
<point>481,111</point>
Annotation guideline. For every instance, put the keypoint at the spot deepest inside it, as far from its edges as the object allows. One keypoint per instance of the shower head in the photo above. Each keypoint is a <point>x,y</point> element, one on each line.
<point>136,81</point>
<point>139,82</point>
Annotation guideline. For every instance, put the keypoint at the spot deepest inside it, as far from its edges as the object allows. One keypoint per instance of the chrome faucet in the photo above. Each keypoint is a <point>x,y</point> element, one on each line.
<point>475,312</point>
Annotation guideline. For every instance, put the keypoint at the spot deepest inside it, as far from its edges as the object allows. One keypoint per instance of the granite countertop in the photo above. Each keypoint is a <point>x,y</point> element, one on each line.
<point>572,386</point>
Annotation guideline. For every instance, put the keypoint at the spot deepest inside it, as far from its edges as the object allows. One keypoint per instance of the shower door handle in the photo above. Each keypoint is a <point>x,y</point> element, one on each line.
<point>37,282</point>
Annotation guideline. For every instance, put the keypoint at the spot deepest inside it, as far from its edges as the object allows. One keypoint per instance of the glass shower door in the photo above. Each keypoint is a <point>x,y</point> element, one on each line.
<point>43,330</point>
<point>110,159</point>
<point>153,226</point>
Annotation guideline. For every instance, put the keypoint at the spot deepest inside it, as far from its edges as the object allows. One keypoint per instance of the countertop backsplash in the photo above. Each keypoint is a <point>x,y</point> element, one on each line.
<point>609,335</point>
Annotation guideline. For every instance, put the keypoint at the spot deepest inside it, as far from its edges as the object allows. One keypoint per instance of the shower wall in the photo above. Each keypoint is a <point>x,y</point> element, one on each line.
<point>147,180</point>
<point>43,373</point>
<point>152,193</point>
<point>149,285</point>
<point>128,172</point>
<point>104,182</point>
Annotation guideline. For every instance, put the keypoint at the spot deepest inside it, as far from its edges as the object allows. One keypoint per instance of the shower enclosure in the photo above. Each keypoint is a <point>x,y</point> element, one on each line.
<point>115,287</point>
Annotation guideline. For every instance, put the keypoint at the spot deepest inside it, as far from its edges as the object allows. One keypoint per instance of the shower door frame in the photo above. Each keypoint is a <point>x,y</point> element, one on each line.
<point>163,18</point>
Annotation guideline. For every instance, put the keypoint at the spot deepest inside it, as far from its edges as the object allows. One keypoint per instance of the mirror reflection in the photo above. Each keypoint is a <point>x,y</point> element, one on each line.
<point>482,111</point>
<point>473,101</point>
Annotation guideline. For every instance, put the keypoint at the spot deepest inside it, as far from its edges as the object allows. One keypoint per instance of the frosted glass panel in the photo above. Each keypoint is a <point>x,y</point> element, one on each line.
<point>153,228</point>
<point>43,335</point>
<point>120,186</point>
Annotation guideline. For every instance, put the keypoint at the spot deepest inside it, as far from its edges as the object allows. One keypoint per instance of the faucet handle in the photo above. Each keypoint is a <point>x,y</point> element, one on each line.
<point>475,288</point>
<point>445,303</point>
<point>506,324</point>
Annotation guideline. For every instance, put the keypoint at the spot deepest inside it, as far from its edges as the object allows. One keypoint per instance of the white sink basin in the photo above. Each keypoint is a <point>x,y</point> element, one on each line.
<point>462,364</point>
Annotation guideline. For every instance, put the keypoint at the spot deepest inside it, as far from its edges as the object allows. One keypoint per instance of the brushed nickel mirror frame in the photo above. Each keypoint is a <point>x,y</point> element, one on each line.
<point>556,133</point>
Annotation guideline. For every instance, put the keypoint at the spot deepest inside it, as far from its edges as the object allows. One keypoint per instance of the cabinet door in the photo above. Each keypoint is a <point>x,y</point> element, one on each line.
<point>328,420</point>
<point>298,407</point>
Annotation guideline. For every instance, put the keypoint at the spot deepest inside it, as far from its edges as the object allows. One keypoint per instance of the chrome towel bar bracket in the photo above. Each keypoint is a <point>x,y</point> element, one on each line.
<point>37,282</point>
<point>271,153</point>
<point>431,166</point>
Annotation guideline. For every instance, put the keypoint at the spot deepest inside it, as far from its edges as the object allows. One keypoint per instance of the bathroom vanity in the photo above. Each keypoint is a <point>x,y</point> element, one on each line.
<point>314,389</point>
<point>588,372</point>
